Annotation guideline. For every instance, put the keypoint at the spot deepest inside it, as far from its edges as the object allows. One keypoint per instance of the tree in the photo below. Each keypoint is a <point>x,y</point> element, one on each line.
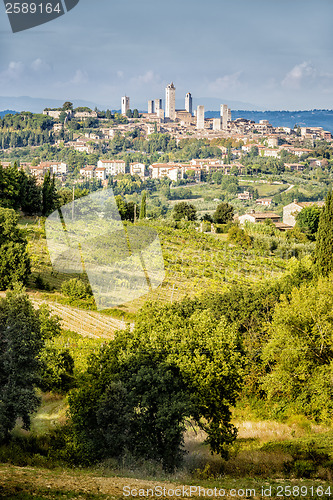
<point>49,194</point>
<point>238,236</point>
<point>67,106</point>
<point>62,117</point>
<point>299,354</point>
<point>183,210</point>
<point>140,389</point>
<point>143,207</point>
<point>22,336</point>
<point>30,194</point>
<point>135,113</point>
<point>14,259</point>
<point>324,241</point>
<point>224,213</point>
<point>307,221</point>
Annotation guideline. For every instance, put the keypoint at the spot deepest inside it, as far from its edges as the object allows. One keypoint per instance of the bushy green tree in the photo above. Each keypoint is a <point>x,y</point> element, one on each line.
<point>22,335</point>
<point>224,213</point>
<point>14,259</point>
<point>57,370</point>
<point>141,388</point>
<point>307,221</point>
<point>239,237</point>
<point>76,289</point>
<point>183,210</point>
<point>299,354</point>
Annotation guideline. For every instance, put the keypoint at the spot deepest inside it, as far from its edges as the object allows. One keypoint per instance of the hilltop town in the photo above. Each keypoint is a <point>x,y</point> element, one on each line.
<point>131,151</point>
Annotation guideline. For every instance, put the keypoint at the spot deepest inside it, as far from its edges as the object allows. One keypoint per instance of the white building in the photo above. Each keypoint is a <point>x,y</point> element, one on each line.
<point>217,124</point>
<point>157,105</point>
<point>137,169</point>
<point>151,107</point>
<point>112,167</point>
<point>171,170</point>
<point>170,102</point>
<point>200,117</point>
<point>100,173</point>
<point>188,102</point>
<point>225,114</point>
<point>88,171</point>
<point>125,104</point>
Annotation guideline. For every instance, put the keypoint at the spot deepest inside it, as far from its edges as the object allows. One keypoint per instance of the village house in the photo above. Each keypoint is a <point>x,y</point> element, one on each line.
<point>138,169</point>
<point>245,196</point>
<point>258,217</point>
<point>171,170</point>
<point>88,172</point>
<point>291,210</point>
<point>265,202</point>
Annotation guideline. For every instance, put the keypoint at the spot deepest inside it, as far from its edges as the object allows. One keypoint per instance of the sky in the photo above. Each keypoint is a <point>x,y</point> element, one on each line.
<point>273,54</point>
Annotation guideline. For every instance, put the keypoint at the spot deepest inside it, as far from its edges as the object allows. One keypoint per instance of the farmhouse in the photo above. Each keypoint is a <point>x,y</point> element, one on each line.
<point>290,211</point>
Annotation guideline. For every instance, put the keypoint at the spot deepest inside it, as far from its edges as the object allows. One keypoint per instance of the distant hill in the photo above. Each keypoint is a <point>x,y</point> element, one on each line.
<point>37,105</point>
<point>7,112</point>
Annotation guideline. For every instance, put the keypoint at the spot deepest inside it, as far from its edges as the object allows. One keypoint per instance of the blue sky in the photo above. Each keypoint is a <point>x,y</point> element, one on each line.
<point>275,54</point>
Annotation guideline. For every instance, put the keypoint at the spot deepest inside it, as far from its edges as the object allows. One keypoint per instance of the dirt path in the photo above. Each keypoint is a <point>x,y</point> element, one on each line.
<point>17,482</point>
<point>86,323</point>
<point>35,480</point>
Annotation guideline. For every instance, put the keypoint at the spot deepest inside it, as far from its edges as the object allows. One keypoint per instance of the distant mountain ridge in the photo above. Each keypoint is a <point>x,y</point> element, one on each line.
<point>7,112</point>
<point>38,104</point>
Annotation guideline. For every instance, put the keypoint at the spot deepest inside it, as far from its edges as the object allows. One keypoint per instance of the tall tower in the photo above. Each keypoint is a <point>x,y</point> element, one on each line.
<point>125,104</point>
<point>188,102</point>
<point>170,102</point>
<point>150,107</point>
<point>225,114</point>
<point>157,104</point>
<point>200,117</point>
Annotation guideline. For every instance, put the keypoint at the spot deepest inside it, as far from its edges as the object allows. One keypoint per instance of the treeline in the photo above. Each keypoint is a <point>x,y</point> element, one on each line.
<point>25,129</point>
<point>19,191</point>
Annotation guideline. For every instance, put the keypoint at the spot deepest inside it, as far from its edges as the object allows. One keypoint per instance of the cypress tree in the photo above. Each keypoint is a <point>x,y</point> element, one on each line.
<point>143,208</point>
<point>324,242</point>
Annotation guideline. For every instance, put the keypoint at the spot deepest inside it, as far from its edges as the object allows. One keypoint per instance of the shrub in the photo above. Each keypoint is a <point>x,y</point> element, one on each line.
<point>76,289</point>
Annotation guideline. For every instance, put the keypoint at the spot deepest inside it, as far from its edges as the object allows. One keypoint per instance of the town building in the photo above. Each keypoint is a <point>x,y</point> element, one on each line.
<point>138,169</point>
<point>125,105</point>
<point>200,117</point>
<point>188,103</point>
<point>112,167</point>
<point>151,108</point>
<point>170,101</point>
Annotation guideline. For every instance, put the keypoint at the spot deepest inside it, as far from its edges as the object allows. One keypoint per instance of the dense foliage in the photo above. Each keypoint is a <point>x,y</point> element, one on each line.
<point>22,335</point>
<point>14,259</point>
<point>324,241</point>
<point>141,388</point>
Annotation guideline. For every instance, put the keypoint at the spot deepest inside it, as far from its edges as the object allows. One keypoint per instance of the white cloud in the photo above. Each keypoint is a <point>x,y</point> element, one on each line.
<point>14,71</point>
<point>79,77</point>
<point>39,65</point>
<point>149,77</point>
<point>120,74</point>
<point>300,74</point>
<point>226,82</point>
